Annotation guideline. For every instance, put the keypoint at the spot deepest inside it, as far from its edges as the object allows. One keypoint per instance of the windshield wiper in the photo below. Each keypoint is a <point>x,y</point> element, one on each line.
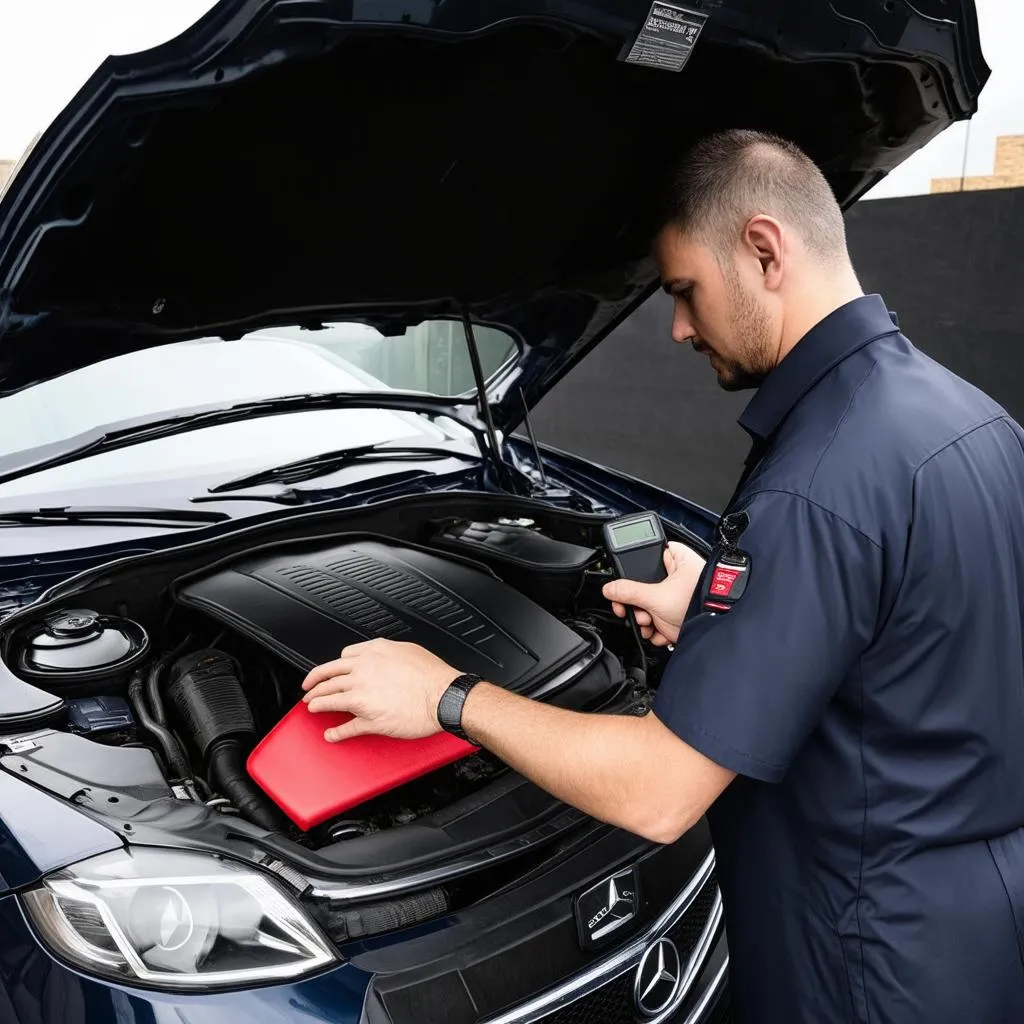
<point>110,516</point>
<point>137,431</point>
<point>328,462</point>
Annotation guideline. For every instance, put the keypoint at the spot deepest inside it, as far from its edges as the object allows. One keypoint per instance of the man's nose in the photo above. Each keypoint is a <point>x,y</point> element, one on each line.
<point>682,327</point>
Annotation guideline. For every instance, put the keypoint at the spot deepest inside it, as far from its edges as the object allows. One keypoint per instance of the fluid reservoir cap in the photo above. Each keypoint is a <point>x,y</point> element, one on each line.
<point>78,642</point>
<point>73,624</point>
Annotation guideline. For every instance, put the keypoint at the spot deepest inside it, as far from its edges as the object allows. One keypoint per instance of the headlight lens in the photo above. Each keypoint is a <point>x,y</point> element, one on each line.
<point>174,920</point>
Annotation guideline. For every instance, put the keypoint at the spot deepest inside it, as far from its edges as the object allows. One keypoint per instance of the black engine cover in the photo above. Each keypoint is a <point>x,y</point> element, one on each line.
<point>307,602</point>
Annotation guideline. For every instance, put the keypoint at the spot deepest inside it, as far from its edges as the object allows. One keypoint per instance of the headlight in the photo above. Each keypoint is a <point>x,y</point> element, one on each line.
<point>174,920</point>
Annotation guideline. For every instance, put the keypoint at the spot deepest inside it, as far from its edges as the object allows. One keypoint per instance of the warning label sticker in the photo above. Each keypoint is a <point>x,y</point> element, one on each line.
<point>667,38</point>
<point>22,744</point>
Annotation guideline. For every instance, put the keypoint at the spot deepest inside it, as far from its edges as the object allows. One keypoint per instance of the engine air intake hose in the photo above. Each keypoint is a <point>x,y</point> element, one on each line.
<point>208,697</point>
<point>227,768</point>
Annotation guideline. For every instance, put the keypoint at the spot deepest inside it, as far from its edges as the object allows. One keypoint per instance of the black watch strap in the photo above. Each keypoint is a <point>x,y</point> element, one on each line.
<point>449,707</point>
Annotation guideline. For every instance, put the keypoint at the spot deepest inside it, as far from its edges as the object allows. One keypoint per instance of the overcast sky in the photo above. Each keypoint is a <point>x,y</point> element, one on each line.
<point>49,47</point>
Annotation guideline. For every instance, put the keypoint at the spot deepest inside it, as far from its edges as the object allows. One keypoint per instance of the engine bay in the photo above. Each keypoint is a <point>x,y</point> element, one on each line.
<point>176,680</point>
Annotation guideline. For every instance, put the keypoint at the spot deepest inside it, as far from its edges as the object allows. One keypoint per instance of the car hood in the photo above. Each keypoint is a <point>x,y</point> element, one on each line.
<point>298,162</point>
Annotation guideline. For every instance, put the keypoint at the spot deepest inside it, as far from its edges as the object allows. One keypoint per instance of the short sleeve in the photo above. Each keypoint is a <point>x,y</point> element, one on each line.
<point>747,687</point>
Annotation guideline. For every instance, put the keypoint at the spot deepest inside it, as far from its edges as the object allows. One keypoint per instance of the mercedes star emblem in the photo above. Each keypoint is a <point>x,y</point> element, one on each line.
<point>658,978</point>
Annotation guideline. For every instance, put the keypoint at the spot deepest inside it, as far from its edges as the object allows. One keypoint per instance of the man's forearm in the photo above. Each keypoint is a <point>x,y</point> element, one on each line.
<point>628,771</point>
<point>631,772</point>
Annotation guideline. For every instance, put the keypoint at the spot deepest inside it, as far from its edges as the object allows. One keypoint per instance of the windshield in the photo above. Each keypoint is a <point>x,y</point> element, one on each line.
<point>431,358</point>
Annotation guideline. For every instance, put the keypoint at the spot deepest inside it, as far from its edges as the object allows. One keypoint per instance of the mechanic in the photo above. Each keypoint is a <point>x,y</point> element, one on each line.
<point>853,722</point>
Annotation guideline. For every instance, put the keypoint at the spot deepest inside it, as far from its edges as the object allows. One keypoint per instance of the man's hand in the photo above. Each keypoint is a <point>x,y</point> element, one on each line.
<point>392,689</point>
<point>660,607</point>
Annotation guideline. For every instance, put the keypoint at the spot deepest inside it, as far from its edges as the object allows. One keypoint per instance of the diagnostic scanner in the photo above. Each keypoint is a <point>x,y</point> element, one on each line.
<point>636,546</point>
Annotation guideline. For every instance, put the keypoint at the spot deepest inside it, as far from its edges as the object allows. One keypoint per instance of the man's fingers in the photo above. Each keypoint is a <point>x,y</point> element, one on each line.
<point>326,687</point>
<point>355,727</point>
<point>330,702</point>
<point>626,592</point>
<point>660,640</point>
<point>642,618</point>
<point>327,670</point>
<point>669,558</point>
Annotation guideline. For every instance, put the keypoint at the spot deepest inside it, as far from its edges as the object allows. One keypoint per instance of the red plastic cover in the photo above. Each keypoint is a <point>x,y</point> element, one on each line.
<point>312,780</point>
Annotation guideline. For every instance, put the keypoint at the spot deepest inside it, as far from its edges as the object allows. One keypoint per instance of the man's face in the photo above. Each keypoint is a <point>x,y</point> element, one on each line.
<point>718,308</point>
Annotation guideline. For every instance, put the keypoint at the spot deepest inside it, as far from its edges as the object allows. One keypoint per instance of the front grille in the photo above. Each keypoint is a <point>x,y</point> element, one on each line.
<point>613,1003</point>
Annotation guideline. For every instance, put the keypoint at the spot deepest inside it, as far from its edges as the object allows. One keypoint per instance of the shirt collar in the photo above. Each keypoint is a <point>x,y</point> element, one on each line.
<point>822,348</point>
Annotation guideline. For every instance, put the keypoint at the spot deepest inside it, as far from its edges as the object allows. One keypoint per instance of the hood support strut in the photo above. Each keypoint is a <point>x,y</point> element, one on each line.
<point>483,406</point>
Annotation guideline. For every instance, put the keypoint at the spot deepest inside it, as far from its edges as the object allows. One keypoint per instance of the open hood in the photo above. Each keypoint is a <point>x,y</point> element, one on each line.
<point>287,161</point>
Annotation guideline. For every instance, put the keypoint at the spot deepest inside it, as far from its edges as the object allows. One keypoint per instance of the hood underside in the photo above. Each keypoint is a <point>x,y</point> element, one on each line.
<point>292,162</point>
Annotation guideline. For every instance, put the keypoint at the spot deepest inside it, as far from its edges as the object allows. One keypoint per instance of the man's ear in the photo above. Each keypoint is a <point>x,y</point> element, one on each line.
<point>763,238</point>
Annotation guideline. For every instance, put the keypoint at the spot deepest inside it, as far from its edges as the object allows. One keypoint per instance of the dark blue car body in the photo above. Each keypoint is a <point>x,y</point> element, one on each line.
<point>292,166</point>
<point>40,834</point>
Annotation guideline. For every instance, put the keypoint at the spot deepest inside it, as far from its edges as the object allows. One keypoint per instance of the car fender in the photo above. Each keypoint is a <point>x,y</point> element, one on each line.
<point>40,833</point>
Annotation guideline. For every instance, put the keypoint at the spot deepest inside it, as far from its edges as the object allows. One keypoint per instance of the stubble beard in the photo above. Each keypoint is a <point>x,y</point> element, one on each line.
<point>750,321</point>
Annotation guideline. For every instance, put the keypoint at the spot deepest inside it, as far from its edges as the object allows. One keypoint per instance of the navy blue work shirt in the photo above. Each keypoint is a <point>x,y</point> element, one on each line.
<point>868,689</point>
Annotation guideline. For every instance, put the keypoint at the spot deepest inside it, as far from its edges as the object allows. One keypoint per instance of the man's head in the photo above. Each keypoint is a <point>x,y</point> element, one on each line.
<point>752,250</point>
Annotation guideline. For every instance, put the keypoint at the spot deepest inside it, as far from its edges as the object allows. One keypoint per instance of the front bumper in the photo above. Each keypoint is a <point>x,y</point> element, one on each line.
<point>491,949</point>
<point>607,990</point>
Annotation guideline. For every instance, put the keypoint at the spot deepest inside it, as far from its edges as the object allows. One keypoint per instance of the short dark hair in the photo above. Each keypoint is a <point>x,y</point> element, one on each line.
<point>726,178</point>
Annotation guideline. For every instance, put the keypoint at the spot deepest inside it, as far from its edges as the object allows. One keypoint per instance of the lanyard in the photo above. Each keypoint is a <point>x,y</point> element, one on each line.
<point>757,452</point>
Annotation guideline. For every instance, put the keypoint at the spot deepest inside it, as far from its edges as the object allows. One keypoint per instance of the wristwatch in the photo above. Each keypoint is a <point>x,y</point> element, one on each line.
<point>449,707</point>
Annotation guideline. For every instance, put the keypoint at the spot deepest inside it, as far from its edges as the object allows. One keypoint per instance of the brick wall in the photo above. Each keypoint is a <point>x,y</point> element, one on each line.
<point>1008,171</point>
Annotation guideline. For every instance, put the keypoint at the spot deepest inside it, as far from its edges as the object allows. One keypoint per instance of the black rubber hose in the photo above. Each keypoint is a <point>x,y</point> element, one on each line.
<point>156,704</point>
<point>177,763</point>
<point>227,766</point>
